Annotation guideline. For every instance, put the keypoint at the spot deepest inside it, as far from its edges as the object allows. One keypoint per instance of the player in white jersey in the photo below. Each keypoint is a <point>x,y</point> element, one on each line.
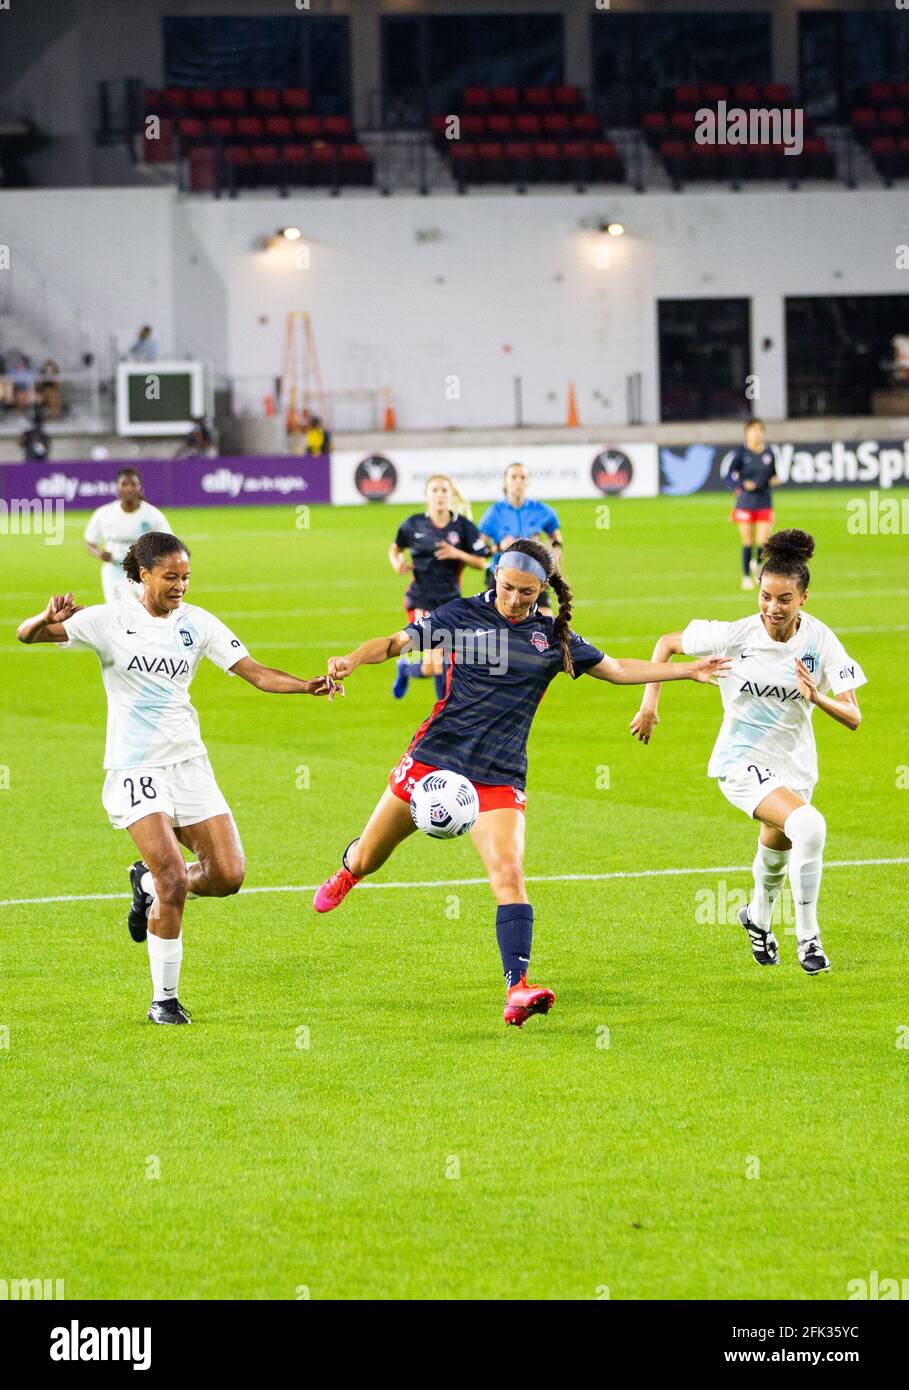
<point>765,759</point>
<point>113,528</point>
<point>159,783</point>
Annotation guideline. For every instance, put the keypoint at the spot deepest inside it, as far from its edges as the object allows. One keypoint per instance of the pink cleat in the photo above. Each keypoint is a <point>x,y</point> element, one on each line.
<point>334,890</point>
<point>522,1001</point>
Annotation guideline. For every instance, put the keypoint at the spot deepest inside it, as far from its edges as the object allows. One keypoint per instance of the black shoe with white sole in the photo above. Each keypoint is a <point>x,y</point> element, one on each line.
<point>764,945</point>
<point>137,918</point>
<point>812,958</point>
<point>168,1011</point>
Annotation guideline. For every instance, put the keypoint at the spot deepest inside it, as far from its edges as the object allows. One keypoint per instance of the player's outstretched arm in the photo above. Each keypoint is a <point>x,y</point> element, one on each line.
<point>397,558</point>
<point>48,626</point>
<point>628,670</point>
<point>275,682</point>
<point>647,718</point>
<point>371,653</point>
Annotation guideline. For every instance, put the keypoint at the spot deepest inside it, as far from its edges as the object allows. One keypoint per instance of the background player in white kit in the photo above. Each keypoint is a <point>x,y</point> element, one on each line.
<point>765,759</point>
<point>159,784</point>
<point>113,528</point>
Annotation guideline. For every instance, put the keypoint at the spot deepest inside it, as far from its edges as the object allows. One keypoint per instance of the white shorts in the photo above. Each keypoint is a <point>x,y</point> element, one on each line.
<point>186,791</point>
<point>746,785</point>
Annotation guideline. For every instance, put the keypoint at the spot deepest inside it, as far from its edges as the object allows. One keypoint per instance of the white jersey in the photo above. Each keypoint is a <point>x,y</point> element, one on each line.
<point>147,665</point>
<point>114,530</point>
<point>765,719</point>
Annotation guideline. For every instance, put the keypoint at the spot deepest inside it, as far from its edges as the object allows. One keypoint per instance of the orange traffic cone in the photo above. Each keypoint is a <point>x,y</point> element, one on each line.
<point>572,418</point>
<point>390,422</point>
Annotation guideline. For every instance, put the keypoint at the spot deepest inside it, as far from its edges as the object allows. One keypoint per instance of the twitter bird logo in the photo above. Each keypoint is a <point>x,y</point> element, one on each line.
<point>684,473</point>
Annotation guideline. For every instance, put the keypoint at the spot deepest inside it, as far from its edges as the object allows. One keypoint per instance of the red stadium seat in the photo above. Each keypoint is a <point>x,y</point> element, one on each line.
<point>747,94</point>
<point>202,169</point>
<point>233,99</point>
<point>584,123</point>
<point>474,127</point>
<point>297,99</point>
<point>881,93</point>
<point>203,100</point>
<point>310,126</point>
<point>685,122</point>
<point>892,118</point>
<point>190,129</point>
<point>337,127</point>
<point>266,99</point>
<point>567,98</point>
<point>776,94</point>
<point>714,92</point>
<point>477,99</point>
<point>538,98</point>
<point>686,95</point>
<point>505,98</point>
<point>153,100</point>
<point>557,125</point>
<point>175,99</point>
<point>500,126</point>
<point>527,125</point>
<point>222,127</point>
<point>278,127</point>
<point>250,127</point>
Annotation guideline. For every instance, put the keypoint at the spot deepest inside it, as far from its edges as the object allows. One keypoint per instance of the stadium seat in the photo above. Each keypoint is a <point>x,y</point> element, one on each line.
<point>191,130</point>
<point>556,125</point>
<point>355,165</point>
<point>776,94</point>
<point>203,169</point>
<point>308,126</point>
<point>222,127</point>
<point>712,92</point>
<point>474,127</point>
<point>538,98</point>
<point>278,127</point>
<point>477,100</point>
<point>528,125</point>
<point>297,99</point>
<point>175,100</point>
<point>153,100</point>
<point>250,127</point>
<point>337,128</point>
<point>567,98</point>
<point>505,98</point>
<point>203,100</point>
<point>585,124</point>
<point>881,93</point>
<point>233,99</point>
<point>266,99</point>
<point>500,126</point>
<point>892,118</point>
<point>747,94</point>
<point>686,96</point>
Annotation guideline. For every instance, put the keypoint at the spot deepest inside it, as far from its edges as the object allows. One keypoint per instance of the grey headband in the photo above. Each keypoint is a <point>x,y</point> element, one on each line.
<point>520,560</point>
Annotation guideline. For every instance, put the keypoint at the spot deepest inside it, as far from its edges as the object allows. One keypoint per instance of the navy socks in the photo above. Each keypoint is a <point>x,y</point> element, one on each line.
<point>746,561</point>
<point>514,933</point>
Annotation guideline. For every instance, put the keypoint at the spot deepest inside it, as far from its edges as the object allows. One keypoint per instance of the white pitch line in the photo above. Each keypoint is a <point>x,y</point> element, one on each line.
<point>464,882</point>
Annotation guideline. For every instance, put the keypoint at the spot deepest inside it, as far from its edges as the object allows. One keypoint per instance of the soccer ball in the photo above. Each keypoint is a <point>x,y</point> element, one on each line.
<point>444,804</point>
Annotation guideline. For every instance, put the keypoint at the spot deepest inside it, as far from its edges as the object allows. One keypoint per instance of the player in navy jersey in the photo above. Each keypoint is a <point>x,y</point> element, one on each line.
<point>504,653</point>
<point>519,517</point>
<point>753,473</point>
<point>441,542</point>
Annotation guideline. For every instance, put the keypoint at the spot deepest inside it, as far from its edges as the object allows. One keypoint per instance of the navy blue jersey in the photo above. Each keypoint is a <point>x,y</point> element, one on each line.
<point>436,581</point>
<point>498,674</point>
<point>749,467</point>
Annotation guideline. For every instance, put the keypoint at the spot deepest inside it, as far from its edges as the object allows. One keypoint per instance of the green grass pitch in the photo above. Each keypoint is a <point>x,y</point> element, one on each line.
<point>347,1117</point>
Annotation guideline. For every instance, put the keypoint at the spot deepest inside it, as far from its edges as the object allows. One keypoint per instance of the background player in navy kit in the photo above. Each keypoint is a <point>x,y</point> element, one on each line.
<point>505,653</point>
<point>519,517</point>
<point>753,473</point>
<point>441,541</point>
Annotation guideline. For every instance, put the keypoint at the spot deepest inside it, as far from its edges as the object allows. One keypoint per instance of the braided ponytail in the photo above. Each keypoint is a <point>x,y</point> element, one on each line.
<point>562,622</point>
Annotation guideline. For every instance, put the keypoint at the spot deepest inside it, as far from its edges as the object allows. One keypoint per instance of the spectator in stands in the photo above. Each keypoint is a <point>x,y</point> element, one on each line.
<point>199,443</point>
<point>33,442</point>
<point>145,348</point>
<point>22,376</point>
<point>318,438</point>
<point>48,391</point>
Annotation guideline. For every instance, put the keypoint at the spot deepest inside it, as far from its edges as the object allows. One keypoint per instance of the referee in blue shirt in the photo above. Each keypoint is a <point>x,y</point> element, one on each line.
<point>518,517</point>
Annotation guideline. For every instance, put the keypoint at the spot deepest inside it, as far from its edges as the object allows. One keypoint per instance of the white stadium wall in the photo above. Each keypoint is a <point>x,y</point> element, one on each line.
<point>504,286</point>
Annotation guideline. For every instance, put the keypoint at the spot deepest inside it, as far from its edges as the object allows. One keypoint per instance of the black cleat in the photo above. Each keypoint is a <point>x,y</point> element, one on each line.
<point>764,945</point>
<point>137,919</point>
<point>168,1011</point>
<point>812,958</point>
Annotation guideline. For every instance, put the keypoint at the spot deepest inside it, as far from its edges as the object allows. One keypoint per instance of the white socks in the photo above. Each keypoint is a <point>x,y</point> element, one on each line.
<point>769,869</point>
<point>164,957</point>
<point>807,829</point>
